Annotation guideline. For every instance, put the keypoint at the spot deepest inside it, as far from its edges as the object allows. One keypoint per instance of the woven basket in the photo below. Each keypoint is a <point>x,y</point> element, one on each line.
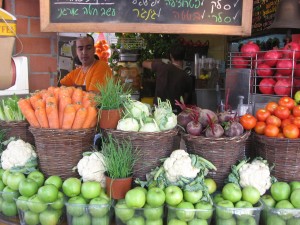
<point>284,153</point>
<point>222,152</point>
<point>59,150</point>
<point>152,147</point>
<point>18,129</point>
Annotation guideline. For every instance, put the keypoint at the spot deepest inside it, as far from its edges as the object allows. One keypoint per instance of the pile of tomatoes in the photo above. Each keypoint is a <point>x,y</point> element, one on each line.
<point>278,119</point>
<point>102,50</point>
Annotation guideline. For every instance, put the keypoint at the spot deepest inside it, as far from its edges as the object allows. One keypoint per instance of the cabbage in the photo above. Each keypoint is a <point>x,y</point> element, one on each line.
<point>136,109</point>
<point>164,116</point>
<point>128,124</point>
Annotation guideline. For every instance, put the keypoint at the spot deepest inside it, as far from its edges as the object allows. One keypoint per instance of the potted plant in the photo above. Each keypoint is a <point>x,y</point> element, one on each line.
<point>119,159</point>
<point>109,101</point>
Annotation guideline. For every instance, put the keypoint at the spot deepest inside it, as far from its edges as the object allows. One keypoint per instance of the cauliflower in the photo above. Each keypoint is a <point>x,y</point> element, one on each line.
<point>255,174</point>
<point>178,165</point>
<point>18,154</point>
<point>91,167</point>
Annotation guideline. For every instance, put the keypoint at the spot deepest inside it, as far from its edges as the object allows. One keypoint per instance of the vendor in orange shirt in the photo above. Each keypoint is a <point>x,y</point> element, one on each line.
<point>92,70</point>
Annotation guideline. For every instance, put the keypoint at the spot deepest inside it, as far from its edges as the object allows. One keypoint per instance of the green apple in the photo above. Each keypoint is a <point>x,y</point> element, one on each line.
<point>197,222</point>
<point>122,211</point>
<point>135,198</point>
<point>293,221</point>
<point>14,179</point>
<point>2,185</point>
<point>37,176</point>
<point>285,204</point>
<point>230,221</point>
<point>90,189</point>
<point>48,193</point>
<point>268,200</point>
<point>154,222</point>
<point>250,194</point>
<point>49,217</point>
<point>9,208</point>
<point>275,220</point>
<point>36,205</point>
<point>4,176</point>
<point>71,187</point>
<point>204,210</point>
<point>31,218</point>
<point>211,185</point>
<point>84,219</point>
<point>174,195</point>
<point>250,220</point>
<point>143,189</point>
<point>21,203</point>
<point>185,211</point>
<point>192,196</point>
<point>295,198</point>
<point>55,180</point>
<point>297,97</point>
<point>76,206</point>
<point>176,222</point>
<point>59,203</point>
<point>153,213</point>
<point>99,207</point>
<point>155,197</point>
<point>232,192</point>
<point>136,220</point>
<point>246,212</point>
<point>224,209</point>
<point>9,195</point>
<point>294,185</point>
<point>105,220</point>
<point>218,197</point>
<point>243,204</point>
<point>28,187</point>
<point>280,191</point>
<point>1,173</point>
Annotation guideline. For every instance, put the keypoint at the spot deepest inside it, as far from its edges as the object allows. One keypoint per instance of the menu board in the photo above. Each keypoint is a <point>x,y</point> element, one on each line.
<point>263,14</point>
<point>156,16</point>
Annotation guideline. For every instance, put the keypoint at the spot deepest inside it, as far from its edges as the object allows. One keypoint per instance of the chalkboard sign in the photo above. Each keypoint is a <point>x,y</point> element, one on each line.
<point>232,17</point>
<point>263,14</point>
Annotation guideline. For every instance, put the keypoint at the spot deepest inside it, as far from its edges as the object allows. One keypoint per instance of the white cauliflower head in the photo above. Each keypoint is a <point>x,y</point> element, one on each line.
<point>179,164</point>
<point>91,168</point>
<point>256,174</point>
<point>17,154</point>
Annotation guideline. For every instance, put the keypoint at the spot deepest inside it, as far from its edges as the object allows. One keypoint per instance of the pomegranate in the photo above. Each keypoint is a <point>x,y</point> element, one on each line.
<point>279,76</point>
<point>297,70</point>
<point>257,60</point>
<point>271,57</point>
<point>250,49</point>
<point>239,62</point>
<point>282,87</point>
<point>266,86</point>
<point>291,48</point>
<point>296,85</point>
<point>285,66</point>
<point>264,70</point>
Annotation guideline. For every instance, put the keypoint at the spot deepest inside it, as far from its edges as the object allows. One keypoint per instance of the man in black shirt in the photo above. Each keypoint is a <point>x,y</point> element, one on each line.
<point>172,81</point>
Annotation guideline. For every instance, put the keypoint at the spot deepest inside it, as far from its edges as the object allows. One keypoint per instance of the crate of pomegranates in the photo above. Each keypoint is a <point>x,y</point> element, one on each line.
<point>218,137</point>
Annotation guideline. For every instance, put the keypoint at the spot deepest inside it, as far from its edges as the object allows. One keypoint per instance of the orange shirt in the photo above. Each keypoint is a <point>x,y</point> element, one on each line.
<point>95,74</point>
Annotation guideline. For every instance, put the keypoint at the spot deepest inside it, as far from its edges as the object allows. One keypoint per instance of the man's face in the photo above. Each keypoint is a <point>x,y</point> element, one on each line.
<point>85,51</point>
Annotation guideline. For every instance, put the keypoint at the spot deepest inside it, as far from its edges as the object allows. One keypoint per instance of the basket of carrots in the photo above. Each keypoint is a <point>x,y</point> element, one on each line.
<point>62,121</point>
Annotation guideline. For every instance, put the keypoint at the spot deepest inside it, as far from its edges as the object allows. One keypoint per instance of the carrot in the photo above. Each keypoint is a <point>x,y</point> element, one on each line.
<point>88,99</point>
<point>68,116</point>
<point>41,115</point>
<point>80,117</point>
<point>40,103</point>
<point>51,99</point>
<point>77,95</point>
<point>63,102</point>
<point>33,99</point>
<point>77,105</point>
<point>51,89</point>
<point>28,112</point>
<point>91,118</point>
<point>52,115</point>
<point>63,91</point>
<point>70,90</point>
<point>56,92</point>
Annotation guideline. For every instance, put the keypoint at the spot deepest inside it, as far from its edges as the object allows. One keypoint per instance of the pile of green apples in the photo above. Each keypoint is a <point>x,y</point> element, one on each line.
<point>282,204</point>
<point>38,200</point>
<point>147,206</point>
<point>237,206</point>
<point>87,202</point>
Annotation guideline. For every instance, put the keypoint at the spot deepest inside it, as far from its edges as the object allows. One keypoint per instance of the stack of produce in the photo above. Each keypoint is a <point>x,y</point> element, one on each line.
<point>60,108</point>
<point>102,50</point>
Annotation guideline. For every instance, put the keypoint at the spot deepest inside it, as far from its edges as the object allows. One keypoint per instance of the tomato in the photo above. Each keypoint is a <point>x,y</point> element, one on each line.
<point>296,121</point>
<point>285,122</point>
<point>271,106</point>
<point>248,121</point>
<point>262,114</point>
<point>280,135</point>
<point>260,127</point>
<point>282,112</point>
<point>287,101</point>
<point>296,110</point>
<point>274,120</point>
<point>271,130</point>
<point>291,131</point>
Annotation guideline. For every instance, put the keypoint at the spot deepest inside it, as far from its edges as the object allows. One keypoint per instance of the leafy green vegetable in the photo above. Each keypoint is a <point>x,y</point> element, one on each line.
<point>9,109</point>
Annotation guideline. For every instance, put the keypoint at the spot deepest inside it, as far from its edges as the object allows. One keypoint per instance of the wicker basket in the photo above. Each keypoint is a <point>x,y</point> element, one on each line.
<point>153,146</point>
<point>284,153</point>
<point>222,152</point>
<point>59,150</point>
<point>18,129</point>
